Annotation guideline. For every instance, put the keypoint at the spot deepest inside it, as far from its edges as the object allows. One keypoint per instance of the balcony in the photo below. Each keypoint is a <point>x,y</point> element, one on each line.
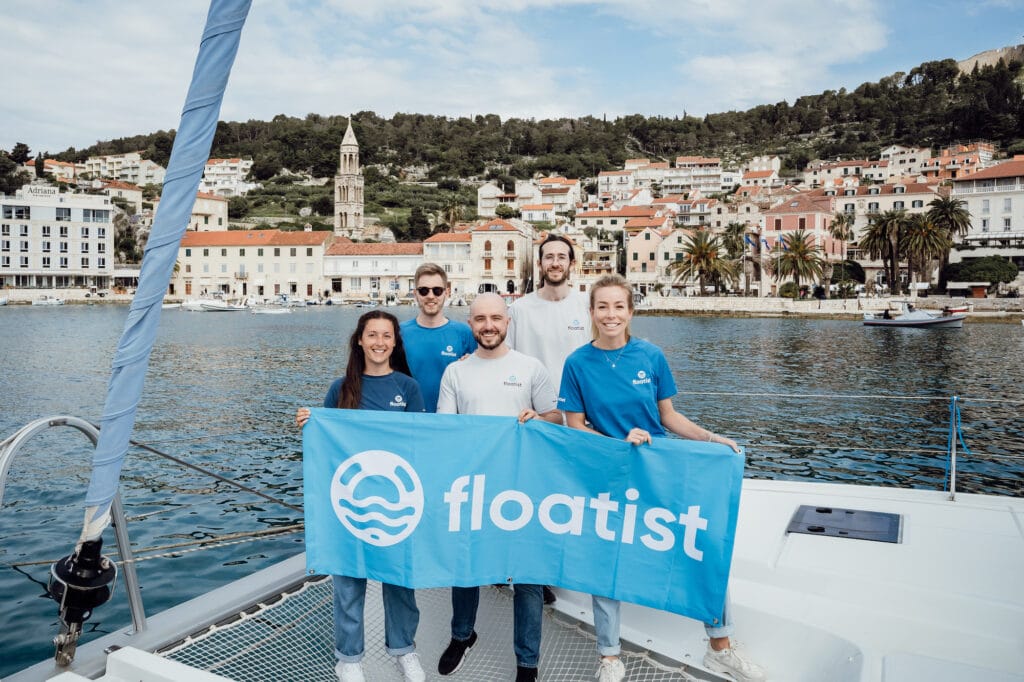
<point>241,275</point>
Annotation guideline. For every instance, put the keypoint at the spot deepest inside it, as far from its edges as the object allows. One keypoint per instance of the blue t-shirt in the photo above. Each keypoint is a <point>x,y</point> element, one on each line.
<point>617,399</point>
<point>395,392</point>
<point>430,350</point>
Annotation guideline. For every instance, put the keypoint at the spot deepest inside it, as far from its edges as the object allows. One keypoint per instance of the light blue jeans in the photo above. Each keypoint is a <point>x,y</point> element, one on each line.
<point>401,618</point>
<point>607,622</point>
<point>527,614</point>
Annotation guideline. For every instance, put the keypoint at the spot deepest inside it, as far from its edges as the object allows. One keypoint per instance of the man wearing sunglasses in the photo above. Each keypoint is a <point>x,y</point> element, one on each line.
<point>432,341</point>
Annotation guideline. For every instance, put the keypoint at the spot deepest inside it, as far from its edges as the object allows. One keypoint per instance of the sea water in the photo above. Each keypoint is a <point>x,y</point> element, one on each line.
<point>809,399</point>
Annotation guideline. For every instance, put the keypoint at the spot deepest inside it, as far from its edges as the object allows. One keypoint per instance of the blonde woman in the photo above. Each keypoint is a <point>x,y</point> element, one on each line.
<point>598,386</point>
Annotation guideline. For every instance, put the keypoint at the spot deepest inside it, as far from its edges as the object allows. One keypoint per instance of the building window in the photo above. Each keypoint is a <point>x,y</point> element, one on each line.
<point>206,268</point>
<point>46,247</point>
<point>23,247</point>
<point>23,231</point>
<point>5,230</point>
<point>223,253</point>
<point>188,253</point>
<point>101,248</point>
<point>1006,225</point>
<point>292,252</point>
<point>259,267</point>
<point>984,224</point>
<point>984,205</point>
<point>357,282</point>
<point>5,261</point>
<point>188,268</point>
<point>259,252</point>
<point>277,252</point>
<point>206,253</point>
<point>647,236</point>
<point>64,262</point>
<point>650,256</point>
<point>636,256</point>
<point>17,212</point>
<point>85,232</point>
<point>101,233</point>
<point>5,245</point>
<point>84,247</point>
<point>848,208</point>
<point>101,262</point>
<point>85,261</point>
<point>917,203</point>
<point>63,230</point>
<point>897,205</point>
<point>46,261</point>
<point>63,247</point>
<point>223,268</point>
<point>63,214</point>
<point>801,223</point>
<point>292,268</point>
<point>873,207</point>
<point>241,253</point>
<point>1007,205</point>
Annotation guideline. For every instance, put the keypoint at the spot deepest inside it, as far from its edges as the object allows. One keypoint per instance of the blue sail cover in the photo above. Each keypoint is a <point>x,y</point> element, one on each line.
<point>191,150</point>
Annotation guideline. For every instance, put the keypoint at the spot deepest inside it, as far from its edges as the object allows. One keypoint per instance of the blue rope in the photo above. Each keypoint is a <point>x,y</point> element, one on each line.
<point>955,431</point>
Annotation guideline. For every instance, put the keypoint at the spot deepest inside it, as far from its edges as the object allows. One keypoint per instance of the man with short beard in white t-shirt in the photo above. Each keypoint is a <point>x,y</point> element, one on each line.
<point>496,380</point>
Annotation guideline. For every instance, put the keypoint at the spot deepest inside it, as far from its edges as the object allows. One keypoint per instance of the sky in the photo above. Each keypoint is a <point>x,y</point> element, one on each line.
<point>79,71</point>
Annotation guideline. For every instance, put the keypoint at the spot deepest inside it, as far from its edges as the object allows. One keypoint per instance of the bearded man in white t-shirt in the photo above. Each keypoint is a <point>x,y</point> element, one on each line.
<point>496,380</point>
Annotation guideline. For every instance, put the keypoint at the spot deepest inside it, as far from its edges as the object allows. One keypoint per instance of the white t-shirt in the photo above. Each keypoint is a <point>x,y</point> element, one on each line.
<point>501,387</point>
<point>550,330</point>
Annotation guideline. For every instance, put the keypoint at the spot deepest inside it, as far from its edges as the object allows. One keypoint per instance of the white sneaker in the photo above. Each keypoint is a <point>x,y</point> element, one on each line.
<point>349,672</point>
<point>734,664</point>
<point>611,670</point>
<point>409,665</point>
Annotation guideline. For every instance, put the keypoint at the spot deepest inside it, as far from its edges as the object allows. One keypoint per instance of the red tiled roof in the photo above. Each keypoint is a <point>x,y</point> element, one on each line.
<point>637,223</point>
<point>614,173</point>
<point>538,207</point>
<point>698,159</point>
<point>117,184</point>
<point>363,249</point>
<point>255,238</point>
<point>751,175</point>
<point>450,237</point>
<point>624,212</point>
<point>211,162</point>
<point>496,225</point>
<point>207,195</point>
<point>1009,169</point>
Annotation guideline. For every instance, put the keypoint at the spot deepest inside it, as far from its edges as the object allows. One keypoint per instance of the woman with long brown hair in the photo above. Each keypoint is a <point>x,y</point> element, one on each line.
<point>376,378</point>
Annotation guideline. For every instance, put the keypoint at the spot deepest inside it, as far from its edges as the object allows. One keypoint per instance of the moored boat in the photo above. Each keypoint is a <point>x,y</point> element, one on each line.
<point>48,300</point>
<point>218,306</point>
<point>906,315</point>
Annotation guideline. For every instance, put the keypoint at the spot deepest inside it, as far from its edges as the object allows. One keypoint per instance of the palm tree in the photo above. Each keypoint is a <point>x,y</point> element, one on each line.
<point>841,228</point>
<point>892,223</point>
<point>950,215</point>
<point>734,240</point>
<point>923,241</point>
<point>702,260</point>
<point>875,243</point>
<point>800,258</point>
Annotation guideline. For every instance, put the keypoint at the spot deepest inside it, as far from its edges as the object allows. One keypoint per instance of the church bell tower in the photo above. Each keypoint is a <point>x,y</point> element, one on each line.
<point>348,189</point>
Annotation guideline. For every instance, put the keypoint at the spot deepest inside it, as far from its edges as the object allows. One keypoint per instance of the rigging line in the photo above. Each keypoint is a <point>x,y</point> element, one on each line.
<point>196,545</point>
<point>854,396</point>
<point>928,451</point>
<point>205,436</point>
<point>223,479</point>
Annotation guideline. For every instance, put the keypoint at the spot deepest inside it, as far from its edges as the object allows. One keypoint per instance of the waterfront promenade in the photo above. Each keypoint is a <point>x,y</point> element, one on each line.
<point>982,309</point>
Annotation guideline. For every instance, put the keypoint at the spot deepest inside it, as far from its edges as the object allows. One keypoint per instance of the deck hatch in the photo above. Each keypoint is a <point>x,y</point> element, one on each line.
<point>853,524</point>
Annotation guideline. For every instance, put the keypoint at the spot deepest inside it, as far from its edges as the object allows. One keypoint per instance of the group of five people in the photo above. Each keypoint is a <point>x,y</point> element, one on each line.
<point>575,357</point>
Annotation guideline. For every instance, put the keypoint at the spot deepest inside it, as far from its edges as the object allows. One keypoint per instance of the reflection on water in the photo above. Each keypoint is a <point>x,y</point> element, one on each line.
<point>809,399</point>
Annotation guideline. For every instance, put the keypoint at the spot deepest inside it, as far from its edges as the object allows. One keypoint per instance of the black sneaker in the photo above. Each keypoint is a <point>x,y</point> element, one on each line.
<point>549,595</point>
<point>455,655</point>
<point>524,674</point>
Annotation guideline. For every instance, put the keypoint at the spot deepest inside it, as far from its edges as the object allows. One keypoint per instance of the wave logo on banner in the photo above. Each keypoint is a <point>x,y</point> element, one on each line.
<point>378,497</point>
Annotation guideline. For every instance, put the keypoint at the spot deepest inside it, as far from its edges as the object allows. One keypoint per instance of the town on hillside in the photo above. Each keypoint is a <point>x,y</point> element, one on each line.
<point>912,220</point>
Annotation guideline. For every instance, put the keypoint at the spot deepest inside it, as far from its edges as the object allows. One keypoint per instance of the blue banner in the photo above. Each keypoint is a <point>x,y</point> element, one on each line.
<point>435,500</point>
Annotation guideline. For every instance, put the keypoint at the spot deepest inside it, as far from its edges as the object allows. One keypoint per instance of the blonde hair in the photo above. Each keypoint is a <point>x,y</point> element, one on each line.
<point>603,283</point>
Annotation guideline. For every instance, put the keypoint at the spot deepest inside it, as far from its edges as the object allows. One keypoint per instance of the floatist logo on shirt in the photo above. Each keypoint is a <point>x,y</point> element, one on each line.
<point>575,326</point>
<point>397,401</point>
<point>512,382</point>
<point>448,352</point>
<point>641,378</point>
<point>378,497</point>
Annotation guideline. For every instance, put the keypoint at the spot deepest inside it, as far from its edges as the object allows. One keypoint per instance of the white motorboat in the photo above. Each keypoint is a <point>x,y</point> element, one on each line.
<point>170,306</point>
<point>48,300</point>
<point>270,310</point>
<point>3,300</point>
<point>906,315</point>
<point>219,306</point>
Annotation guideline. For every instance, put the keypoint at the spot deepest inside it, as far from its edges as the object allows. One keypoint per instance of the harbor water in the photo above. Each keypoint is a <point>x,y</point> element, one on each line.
<point>826,400</point>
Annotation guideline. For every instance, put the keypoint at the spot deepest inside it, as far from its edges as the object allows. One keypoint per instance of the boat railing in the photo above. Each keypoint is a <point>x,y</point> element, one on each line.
<point>12,445</point>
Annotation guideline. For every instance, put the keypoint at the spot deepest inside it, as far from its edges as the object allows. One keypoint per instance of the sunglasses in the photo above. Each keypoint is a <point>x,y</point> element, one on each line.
<point>423,291</point>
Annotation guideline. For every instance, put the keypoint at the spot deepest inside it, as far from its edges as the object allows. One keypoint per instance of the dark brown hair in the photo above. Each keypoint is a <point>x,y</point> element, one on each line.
<point>352,387</point>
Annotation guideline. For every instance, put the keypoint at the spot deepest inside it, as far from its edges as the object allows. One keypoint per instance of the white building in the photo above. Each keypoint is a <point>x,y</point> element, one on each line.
<point>53,240</point>
<point>130,167</point>
<point>905,161</point>
<point>451,250</point>
<point>500,256</point>
<point>995,199</point>
<point>209,213</point>
<point>227,177</point>
<point>562,193</point>
<point>122,190</point>
<point>252,264</point>
<point>615,185</point>
<point>538,213</point>
<point>372,270</point>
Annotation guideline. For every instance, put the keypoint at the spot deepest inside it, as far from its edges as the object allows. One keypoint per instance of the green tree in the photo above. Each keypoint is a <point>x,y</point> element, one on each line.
<point>799,258</point>
<point>40,166</point>
<point>890,226</point>
<point>734,239</point>
<point>419,224</point>
<point>238,208</point>
<point>993,269</point>
<point>703,259</point>
<point>11,179</point>
<point>922,241</point>
<point>504,211</point>
<point>323,205</point>
<point>20,154</point>
<point>952,216</point>
<point>841,229</point>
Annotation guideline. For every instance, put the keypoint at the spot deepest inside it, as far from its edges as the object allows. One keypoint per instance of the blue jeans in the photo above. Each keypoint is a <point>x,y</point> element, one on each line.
<point>528,609</point>
<point>607,621</point>
<point>401,617</point>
